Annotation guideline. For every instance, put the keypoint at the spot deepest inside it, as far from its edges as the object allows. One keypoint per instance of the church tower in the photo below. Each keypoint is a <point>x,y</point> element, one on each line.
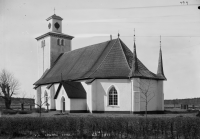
<point>52,44</point>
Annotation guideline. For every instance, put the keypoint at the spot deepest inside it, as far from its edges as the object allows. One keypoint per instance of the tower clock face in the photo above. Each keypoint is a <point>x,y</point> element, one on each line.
<point>57,25</point>
<point>49,25</point>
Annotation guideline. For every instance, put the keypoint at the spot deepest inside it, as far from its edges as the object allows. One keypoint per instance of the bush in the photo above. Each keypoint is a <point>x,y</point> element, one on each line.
<point>25,112</point>
<point>9,111</point>
<point>101,127</point>
<point>38,110</point>
<point>198,114</point>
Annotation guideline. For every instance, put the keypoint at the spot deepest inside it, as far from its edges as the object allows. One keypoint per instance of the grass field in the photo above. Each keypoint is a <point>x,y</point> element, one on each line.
<point>169,113</point>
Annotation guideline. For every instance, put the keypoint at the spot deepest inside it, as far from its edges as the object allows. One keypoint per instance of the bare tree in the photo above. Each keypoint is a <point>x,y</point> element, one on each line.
<point>22,101</point>
<point>8,87</point>
<point>145,86</point>
<point>40,104</point>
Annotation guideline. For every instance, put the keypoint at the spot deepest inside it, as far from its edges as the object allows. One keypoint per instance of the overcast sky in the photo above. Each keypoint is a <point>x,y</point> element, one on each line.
<point>92,21</point>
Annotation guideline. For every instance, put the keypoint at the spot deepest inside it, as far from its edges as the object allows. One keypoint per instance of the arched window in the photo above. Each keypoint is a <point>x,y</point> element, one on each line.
<point>43,43</point>
<point>63,104</point>
<point>46,97</point>
<point>58,41</point>
<point>113,96</point>
<point>62,42</point>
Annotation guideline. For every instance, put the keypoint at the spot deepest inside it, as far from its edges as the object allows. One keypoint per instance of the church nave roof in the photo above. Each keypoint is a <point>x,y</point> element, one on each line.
<point>108,60</point>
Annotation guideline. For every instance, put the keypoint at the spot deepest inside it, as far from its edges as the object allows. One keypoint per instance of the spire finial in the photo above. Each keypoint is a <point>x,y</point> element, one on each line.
<point>134,35</point>
<point>110,37</point>
<point>160,41</point>
<point>118,34</point>
<point>54,10</point>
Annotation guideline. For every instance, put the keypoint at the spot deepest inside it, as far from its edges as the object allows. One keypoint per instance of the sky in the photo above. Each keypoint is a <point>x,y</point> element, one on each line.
<point>93,21</point>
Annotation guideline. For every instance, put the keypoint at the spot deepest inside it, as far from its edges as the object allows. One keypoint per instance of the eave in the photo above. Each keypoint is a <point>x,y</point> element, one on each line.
<point>55,34</point>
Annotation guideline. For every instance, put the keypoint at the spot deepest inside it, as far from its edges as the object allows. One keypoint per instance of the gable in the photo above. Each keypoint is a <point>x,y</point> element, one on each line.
<point>74,90</point>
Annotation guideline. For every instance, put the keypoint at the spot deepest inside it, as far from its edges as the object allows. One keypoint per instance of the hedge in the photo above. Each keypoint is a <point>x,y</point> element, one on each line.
<point>96,127</point>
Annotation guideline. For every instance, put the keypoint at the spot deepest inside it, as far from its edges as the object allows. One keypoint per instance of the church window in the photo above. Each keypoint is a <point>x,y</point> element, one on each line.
<point>113,96</point>
<point>62,42</point>
<point>58,41</point>
<point>43,43</point>
<point>46,97</point>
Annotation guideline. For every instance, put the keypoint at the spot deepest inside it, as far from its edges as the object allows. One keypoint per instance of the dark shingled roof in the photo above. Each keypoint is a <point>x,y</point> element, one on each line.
<point>54,17</point>
<point>74,90</point>
<point>56,34</point>
<point>160,71</point>
<point>108,60</point>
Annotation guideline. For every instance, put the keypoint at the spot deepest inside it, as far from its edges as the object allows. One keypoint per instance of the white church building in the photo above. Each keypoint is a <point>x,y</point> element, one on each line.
<point>100,78</point>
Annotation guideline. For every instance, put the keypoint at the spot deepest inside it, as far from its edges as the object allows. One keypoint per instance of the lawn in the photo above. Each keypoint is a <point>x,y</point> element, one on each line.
<point>169,113</point>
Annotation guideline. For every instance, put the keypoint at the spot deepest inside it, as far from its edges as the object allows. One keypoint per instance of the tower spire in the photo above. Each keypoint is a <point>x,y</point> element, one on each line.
<point>160,41</point>
<point>54,10</point>
<point>134,67</point>
<point>160,71</point>
<point>134,35</point>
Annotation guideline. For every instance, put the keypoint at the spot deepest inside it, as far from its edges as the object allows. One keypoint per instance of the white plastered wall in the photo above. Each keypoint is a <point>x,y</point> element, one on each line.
<point>61,94</point>
<point>43,99</point>
<point>52,100</point>
<point>88,88</point>
<point>56,49</point>
<point>40,97</point>
<point>154,90</point>
<point>43,60</point>
<point>53,29</point>
<point>70,104</point>
<point>97,94</point>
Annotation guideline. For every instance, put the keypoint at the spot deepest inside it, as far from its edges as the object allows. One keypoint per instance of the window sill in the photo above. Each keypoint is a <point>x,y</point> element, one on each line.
<point>114,106</point>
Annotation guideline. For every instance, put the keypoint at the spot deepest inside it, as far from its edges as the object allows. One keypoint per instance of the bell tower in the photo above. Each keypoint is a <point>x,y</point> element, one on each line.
<point>55,23</point>
<point>52,44</point>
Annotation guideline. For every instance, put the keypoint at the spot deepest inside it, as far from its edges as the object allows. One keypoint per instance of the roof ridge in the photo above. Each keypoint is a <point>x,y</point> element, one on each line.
<point>126,51</point>
<point>103,59</point>
<point>87,46</point>
<point>123,52</point>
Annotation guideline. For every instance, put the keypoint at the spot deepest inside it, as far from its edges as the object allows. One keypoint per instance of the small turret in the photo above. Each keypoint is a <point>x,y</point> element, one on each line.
<point>134,68</point>
<point>160,71</point>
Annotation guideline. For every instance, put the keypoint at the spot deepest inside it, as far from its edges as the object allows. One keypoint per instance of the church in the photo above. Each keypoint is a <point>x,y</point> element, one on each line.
<point>100,78</point>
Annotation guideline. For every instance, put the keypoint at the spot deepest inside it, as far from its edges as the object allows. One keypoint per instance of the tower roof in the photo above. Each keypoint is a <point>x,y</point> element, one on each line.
<point>54,17</point>
<point>56,34</point>
<point>160,71</point>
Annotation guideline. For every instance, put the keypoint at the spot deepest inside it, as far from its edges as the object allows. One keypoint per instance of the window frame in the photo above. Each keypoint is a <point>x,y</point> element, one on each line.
<point>58,41</point>
<point>62,42</point>
<point>113,101</point>
<point>46,97</point>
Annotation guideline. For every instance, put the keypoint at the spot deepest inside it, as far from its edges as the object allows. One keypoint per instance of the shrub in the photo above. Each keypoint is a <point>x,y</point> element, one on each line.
<point>9,111</point>
<point>25,112</point>
<point>38,110</point>
<point>101,127</point>
<point>198,114</point>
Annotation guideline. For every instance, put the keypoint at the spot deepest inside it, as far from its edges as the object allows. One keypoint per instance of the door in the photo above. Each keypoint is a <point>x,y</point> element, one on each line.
<point>63,104</point>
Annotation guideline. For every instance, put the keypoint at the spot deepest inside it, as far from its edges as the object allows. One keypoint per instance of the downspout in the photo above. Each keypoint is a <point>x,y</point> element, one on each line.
<point>131,97</point>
